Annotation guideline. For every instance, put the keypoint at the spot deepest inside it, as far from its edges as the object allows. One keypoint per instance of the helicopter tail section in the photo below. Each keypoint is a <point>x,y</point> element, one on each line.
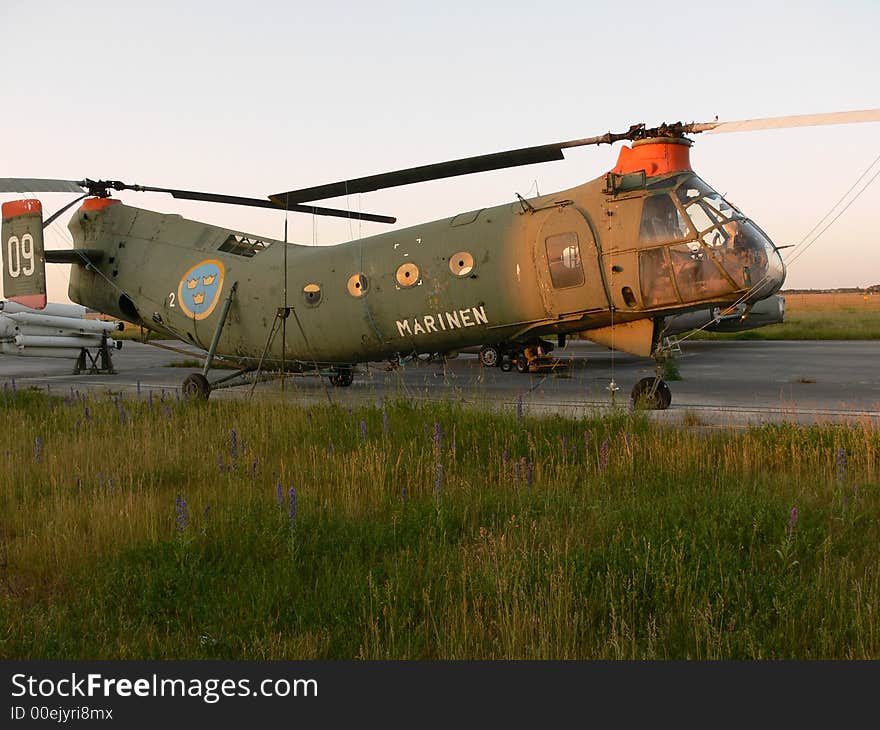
<point>24,267</point>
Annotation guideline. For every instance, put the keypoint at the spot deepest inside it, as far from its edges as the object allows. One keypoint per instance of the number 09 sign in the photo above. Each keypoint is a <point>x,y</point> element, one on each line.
<point>24,271</point>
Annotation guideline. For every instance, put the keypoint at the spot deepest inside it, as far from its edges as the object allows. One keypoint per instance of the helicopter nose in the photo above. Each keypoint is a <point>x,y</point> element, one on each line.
<point>765,272</point>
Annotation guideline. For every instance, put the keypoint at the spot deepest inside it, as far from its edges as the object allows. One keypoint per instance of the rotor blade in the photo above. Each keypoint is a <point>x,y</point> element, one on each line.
<point>38,185</point>
<point>802,120</point>
<point>440,170</point>
<point>261,203</point>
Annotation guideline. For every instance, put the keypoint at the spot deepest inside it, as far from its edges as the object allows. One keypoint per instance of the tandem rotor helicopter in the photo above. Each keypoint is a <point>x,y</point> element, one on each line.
<point>610,260</point>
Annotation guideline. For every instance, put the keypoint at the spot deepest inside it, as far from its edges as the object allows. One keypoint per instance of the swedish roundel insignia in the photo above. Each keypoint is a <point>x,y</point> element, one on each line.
<point>199,288</point>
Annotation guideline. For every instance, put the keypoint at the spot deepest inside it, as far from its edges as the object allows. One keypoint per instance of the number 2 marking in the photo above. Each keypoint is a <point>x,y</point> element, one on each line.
<point>171,299</point>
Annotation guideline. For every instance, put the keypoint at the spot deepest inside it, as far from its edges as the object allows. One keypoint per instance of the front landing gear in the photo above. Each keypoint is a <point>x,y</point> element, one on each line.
<point>652,394</point>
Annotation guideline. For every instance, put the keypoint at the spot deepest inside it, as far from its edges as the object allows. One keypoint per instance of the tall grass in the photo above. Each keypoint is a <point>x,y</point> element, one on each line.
<point>157,529</point>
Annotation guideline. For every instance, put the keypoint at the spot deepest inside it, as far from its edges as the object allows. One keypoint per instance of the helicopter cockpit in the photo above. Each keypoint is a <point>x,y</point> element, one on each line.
<point>711,249</point>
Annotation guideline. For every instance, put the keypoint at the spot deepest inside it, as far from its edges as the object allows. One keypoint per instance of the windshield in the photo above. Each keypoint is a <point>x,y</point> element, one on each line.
<point>735,244</point>
<point>721,251</point>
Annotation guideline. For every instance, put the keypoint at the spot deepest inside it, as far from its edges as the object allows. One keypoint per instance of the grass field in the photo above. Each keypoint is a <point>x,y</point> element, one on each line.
<point>156,529</point>
<point>818,316</point>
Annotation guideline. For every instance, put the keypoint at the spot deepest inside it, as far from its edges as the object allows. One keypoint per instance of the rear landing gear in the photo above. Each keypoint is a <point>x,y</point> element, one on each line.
<point>196,387</point>
<point>652,394</point>
<point>342,378</point>
<point>490,357</point>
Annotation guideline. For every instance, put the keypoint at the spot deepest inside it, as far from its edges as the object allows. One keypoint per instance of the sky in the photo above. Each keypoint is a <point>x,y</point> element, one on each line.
<point>253,99</point>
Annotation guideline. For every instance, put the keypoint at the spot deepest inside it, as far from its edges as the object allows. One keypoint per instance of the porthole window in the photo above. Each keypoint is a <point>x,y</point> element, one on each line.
<point>312,294</point>
<point>407,274</point>
<point>357,285</point>
<point>461,263</point>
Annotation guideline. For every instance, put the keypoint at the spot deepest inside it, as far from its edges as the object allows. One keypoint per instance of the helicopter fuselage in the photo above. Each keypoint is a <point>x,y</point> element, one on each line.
<point>608,259</point>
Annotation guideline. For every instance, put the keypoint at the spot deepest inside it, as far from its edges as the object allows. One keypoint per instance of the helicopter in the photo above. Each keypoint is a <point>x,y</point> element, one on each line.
<point>612,260</point>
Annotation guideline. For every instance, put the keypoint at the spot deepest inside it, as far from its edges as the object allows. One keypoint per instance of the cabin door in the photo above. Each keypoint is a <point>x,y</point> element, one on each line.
<point>567,262</point>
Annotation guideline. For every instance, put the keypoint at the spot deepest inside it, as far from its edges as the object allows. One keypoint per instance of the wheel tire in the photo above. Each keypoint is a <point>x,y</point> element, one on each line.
<point>522,364</point>
<point>196,387</point>
<point>490,357</point>
<point>506,365</point>
<point>342,379</point>
<point>645,394</point>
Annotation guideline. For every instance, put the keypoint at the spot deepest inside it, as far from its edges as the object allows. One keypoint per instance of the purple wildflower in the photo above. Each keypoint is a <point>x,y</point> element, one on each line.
<point>519,408</point>
<point>233,444</point>
<point>841,464</point>
<point>438,479</point>
<point>254,466</point>
<point>182,518</point>
<point>403,493</point>
<point>529,472</point>
<point>603,455</point>
<point>292,511</point>
<point>792,520</point>
<point>87,414</point>
<point>279,493</point>
<point>329,447</point>
<point>364,429</point>
<point>13,390</point>
<point>38,448</point>
<point>438,436</point>
<point>207,512</point>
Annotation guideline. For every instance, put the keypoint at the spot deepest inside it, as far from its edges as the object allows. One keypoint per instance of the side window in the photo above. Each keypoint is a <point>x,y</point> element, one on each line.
<point>564,257</point>
<point>655,275</point>
<point>661,221</point>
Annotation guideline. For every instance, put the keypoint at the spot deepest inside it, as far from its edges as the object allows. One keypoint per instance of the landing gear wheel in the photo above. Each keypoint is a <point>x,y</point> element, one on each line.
<point>522,364</point>
<point>342,378</point>
<point>651,393</point>
<point>196,387</point>
<point>490,357</point>
<point>506,365</point>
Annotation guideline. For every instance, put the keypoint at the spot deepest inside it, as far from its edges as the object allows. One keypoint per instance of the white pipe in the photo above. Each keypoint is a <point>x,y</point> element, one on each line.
<point>49,341</point>
<point>66,323</point>
<point>53,309</point>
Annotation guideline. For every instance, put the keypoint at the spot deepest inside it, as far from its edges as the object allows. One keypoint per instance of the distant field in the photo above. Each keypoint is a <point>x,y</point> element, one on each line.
<point>818,316</point>
<point>157,529</point>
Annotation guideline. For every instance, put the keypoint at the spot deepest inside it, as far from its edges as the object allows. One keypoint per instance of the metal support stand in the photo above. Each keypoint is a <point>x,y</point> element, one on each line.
<point>101,363</point>
<point>215,340</point>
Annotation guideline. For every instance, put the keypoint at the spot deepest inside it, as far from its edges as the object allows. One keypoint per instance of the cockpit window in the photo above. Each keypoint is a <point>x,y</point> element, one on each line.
<point>661,220</point>
<point>242,246</point>
<point>701,202</point>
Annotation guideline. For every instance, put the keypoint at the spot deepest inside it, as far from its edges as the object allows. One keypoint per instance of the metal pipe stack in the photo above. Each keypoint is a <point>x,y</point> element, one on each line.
<point>59,330</point>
